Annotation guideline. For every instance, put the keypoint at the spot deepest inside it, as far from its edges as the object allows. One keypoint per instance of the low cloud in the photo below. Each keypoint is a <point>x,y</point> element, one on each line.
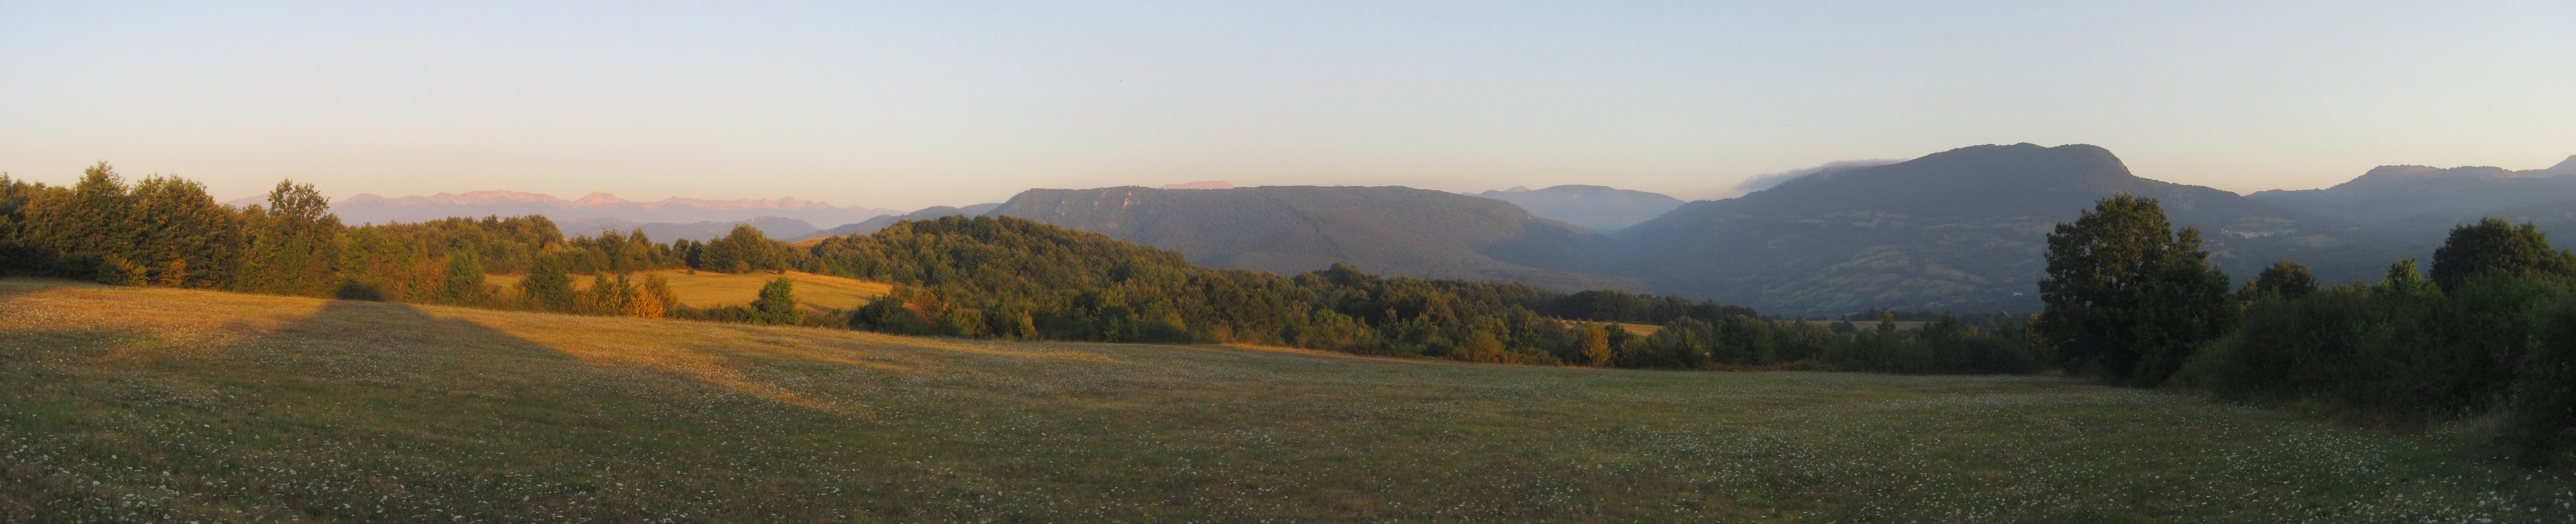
<point>1766,180</point>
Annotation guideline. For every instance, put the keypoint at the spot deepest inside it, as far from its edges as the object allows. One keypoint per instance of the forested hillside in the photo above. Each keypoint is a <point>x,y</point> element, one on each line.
<point>873,225</point>
<point>1291,229</point>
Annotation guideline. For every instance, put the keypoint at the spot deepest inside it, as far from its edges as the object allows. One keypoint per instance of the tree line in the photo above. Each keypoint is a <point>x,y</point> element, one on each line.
<point>2491,329</point>
<point>166,231</point>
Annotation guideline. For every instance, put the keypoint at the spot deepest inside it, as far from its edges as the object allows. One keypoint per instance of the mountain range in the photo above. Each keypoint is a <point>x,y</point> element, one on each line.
<point>2411,193</point>
<point>368,208</point>
<point>1961,230</point>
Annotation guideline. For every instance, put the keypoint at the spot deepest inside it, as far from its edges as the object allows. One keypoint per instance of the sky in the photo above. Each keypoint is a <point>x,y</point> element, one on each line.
<point>906,105</point>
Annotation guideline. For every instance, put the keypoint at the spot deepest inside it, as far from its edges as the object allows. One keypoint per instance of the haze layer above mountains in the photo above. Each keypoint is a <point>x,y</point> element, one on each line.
<point>1962,230</point>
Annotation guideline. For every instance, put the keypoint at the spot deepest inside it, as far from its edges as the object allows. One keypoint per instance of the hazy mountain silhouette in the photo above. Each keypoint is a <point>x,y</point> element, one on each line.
<point>2418,193</point>
<point>1963,229</point>
<point>2564,168</point>
<point>1288,229</point>
<point>880,222</point>
<point>1598,208</point>
<point>774,227</point>
<point>367,208</point>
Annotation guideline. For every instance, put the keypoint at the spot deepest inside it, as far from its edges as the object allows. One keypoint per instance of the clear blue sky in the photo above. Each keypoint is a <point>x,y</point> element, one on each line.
<point>964,102</point>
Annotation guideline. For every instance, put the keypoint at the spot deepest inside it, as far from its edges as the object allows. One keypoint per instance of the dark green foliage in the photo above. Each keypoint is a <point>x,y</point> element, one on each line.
<point>2494,245</point>
<point>116,271</point>
<point>2127,297</point>
<point>1621,306</point>
<point>2285,278</point>
<point>548,287</point>
<point>355,290</point>
<point>2396,347</point>
<point>1948,344</point>
<point>165,231</point>
<point>2543,427</point>
<point>777,304</point>
<point>743,251</point>
<point>463,281</point>
<point>2496,337</point>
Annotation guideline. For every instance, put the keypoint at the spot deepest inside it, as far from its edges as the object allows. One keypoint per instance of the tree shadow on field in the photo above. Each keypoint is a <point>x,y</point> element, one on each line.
<point>403,346</point>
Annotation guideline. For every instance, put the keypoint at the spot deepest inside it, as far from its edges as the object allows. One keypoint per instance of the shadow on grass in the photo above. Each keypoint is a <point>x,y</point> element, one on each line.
<point>403,346</point>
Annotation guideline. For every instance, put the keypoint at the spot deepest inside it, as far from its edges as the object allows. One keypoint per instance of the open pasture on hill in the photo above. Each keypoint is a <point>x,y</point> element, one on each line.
<point>706,289</point>
<point>1901,325</point>
<point>151,404</point>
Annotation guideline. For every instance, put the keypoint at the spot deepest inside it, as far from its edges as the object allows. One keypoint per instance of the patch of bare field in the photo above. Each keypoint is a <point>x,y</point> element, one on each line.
<point>706,289</point>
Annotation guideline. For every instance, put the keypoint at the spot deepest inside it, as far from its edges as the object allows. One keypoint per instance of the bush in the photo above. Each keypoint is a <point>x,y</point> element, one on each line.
<point>2399,348</point>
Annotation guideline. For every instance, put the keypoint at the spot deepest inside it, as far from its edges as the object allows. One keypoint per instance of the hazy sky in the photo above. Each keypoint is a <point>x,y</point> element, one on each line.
<point>961,102</point>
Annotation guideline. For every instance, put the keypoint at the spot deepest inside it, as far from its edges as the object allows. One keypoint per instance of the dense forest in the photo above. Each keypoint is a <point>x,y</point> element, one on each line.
<point>986,277</point>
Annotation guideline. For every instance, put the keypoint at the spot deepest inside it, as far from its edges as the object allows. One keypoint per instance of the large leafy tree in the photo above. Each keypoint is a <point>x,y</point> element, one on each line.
<point>2127,296</point>
<point>548,287</point>
<point>777,304</point>
<point>2493,245</point>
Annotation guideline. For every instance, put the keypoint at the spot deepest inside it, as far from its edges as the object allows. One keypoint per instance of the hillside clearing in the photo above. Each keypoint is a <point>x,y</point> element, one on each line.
<point>1901,325</point>
<point>706,289</point>
<point>147,404</point>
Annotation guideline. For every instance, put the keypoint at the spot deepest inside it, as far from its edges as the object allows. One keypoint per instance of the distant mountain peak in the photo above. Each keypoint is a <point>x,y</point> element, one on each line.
<point>2391,176</point>
<point>1202,184</point>
<point>598,198</point>
<point>469,198</point>
<point>2564,168</point>
<point>1970,172</point>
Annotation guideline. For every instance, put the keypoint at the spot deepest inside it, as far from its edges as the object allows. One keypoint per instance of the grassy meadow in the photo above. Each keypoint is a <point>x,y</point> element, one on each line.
<point>162,405</point>
<point>707,289</point>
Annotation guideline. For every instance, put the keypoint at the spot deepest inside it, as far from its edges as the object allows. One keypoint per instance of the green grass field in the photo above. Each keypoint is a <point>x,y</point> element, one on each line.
<point>154,405</point>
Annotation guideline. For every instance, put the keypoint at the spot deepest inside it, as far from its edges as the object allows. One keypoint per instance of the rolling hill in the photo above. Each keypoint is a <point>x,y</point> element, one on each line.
<point>881,221</point>
<point>1395,231</point>
<point>1598,208</point>
<point>127,404</point>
